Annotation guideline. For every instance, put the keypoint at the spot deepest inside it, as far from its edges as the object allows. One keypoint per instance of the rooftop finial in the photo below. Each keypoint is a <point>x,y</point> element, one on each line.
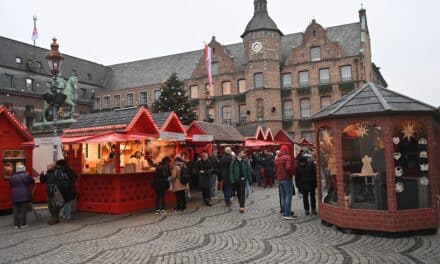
<point>260,6</point>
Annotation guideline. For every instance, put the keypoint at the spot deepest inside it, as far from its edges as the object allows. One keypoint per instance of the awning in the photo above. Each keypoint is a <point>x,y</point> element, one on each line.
<point>69,140</point>
<point>252,143</point>
<point>117,137</point>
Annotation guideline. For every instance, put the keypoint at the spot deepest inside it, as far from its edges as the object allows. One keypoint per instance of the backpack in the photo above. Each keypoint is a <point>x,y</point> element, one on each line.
<point>62,181</point>
<point>57,197</point>
<point>184,176</point>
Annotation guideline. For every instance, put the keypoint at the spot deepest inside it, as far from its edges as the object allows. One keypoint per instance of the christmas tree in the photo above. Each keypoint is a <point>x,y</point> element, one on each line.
<point>173,98</point>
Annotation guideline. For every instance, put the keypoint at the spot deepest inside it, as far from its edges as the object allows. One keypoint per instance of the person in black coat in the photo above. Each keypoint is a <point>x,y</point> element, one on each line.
<point>69,192</point>
<point>225,164</point>
<point>161,183</point>
<point>204,168</point>
<point>268,166</point>
<point>305,179</point>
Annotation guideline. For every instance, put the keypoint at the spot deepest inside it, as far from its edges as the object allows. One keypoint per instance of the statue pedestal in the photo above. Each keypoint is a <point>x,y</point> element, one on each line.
<point>42,129</point>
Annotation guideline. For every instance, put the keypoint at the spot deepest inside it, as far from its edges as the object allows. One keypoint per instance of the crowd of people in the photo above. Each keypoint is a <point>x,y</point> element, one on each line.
<point>230,172</point>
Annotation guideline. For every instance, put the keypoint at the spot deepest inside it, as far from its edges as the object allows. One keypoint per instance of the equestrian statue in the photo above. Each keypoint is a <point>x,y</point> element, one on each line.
<point>62,93</point>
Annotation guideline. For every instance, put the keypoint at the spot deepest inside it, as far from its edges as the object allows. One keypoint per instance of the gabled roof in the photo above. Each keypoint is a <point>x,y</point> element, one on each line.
<point>14,121</point>
<point>222,133</point>
<point>283,136</point>
<point>160,118</point>
<point>259,134</point>
<point>269,134</point>
<point>169,122</point>
<point>125,120</point>
<point>372,99</point>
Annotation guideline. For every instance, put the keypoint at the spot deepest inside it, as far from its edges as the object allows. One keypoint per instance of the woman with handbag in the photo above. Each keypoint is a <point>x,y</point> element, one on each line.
<point>20,184</point>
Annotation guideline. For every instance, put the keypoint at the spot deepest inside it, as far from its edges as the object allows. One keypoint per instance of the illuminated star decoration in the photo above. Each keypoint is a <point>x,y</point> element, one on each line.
<point>327,138</point>
<point>408,131</point>
<point>362,131</point>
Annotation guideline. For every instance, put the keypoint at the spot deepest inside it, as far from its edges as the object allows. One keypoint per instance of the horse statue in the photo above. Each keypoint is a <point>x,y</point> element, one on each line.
<point>67,91</point>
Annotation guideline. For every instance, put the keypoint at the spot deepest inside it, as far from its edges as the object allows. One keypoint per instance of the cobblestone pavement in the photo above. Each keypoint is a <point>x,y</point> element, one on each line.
<point>206,235</point>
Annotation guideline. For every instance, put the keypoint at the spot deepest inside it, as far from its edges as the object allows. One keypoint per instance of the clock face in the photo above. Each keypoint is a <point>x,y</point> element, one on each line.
<point>257,47</point>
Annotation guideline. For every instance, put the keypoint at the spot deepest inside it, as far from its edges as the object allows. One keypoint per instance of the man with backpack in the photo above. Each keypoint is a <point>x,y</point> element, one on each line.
<point>53,179</point>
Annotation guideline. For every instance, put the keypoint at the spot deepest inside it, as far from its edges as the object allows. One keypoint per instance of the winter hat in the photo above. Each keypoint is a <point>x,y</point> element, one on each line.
<point>284,148</point>
<point>20,168</point>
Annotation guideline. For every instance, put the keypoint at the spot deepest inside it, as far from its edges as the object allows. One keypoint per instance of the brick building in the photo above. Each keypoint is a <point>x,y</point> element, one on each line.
<point>269,79</point>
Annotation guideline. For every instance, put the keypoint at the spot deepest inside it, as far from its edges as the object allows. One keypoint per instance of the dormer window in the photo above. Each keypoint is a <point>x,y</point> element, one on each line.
<point>18,60</point>
<point>315,54</point>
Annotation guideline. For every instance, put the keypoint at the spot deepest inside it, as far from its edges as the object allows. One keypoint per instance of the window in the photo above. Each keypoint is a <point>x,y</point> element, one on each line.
<point>97,104</point>
<point>327,156</point>
<point>116,101</point>
<point>241,86</point>
<point>258,80</point>
<point>9,78</point>
<point>260,109</point>
<point>39,65</point>
<point>227,115</point>
<point>242,113</point>
<point>129,100</point>
<point>363,161</point>
<point>210,90</point>
<point>106,102</point>
<point>315,54</point>
<point>287,110</point>
<point>157,94</point>
<point>305,107</point>
<point>325,101</point>
<point>211,113</point>
<point>324,76</point>
<point>346,73</point>
<point>29,84</point>
<point>11,160</point>
<point>83,93</point>
<point>143,98</point>
<point>226,88</point>
<point>411,159</point>
<point>194,92</point>
<point>286,80</point>
<point>75,72</point>
<point>308,135</point>
<point>18,60</point>
<point>304,78</point>
<point>214,68</point>
<point>89,76</point>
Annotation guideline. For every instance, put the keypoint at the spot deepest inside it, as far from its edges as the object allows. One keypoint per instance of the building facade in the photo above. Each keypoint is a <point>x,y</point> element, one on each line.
<point>269,79</point>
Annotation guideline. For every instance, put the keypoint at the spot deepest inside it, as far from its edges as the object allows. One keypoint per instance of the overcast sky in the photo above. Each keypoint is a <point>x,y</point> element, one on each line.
<point>405,34</point>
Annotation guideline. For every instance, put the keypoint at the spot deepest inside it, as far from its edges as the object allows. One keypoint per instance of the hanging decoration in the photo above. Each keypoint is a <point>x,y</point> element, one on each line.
<point>408,131</point>
<point>396,140</point>
<point>362,131</point>
<point>327,138</point>
<point>399,187</point>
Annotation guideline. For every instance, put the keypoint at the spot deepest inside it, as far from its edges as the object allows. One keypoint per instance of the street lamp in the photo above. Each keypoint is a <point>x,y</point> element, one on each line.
<point>54,58</point>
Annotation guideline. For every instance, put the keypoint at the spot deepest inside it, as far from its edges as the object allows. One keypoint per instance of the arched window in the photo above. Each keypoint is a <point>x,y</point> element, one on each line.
<point>363,155</point>
<point>411,167</point>
<point>327,169</point>
<point>260,109</point>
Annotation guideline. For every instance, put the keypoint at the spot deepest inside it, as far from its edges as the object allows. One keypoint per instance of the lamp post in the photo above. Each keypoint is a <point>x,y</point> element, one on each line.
<point>54,98</point>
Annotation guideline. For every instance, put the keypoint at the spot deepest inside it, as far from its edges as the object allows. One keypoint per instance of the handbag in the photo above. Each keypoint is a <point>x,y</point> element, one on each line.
<point>57,197</point>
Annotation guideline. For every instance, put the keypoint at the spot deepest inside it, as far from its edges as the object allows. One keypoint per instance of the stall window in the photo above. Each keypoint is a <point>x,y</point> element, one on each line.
<point>327,169</point>
<point>363,155</point>
<point>227,115</point>
<point>411,167</point>
<point>11,159</point>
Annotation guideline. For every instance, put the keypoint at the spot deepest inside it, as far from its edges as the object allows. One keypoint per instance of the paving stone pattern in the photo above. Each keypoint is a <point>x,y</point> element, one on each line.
<point>206,235</point>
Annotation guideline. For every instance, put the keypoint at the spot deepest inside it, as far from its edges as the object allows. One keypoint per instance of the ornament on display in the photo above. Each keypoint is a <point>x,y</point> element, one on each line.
<point>399,171</point>
<point>362,131</point>
<point>397,155</point>
<point>366,165</point>
<point>408,131</point>
<point>399,187</point>
<point>424,167</point>
<point>424,181</point>
<point>423,154</point>
<point>423,141</point>
<point>396,140</point>
<point>327,138</point>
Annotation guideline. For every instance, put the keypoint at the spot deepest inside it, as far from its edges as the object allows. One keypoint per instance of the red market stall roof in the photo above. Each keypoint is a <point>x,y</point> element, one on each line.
<point>168,122</point>
<point>4,113</point>
<point>259,134</point>
<point>128,120</point>
<point>219,133</point>
<point>269,135</point>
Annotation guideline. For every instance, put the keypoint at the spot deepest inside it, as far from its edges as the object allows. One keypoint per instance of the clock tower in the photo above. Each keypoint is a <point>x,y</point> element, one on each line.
<point>262,48</point>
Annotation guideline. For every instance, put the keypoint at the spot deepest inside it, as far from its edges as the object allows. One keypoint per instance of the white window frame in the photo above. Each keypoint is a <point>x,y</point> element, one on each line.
<point>324,80</point>
<point>301,81</point>
<point>287,112</point>
<point>305,112</point>
<point>284,77</point>
<point>344,73</point>
<point>315,53</point>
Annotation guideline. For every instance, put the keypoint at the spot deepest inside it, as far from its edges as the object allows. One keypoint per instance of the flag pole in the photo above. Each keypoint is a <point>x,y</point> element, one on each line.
<point>34,38</point>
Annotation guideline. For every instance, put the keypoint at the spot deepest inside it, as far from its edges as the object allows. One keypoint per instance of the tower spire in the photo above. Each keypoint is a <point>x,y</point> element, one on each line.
<point>260,6</point>
<point>261,19</point>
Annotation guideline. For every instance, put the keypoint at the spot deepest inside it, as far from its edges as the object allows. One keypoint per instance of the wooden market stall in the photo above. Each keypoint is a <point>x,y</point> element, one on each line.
<point>101,147</point>
<point>13,152</point>
<point>378,166</point>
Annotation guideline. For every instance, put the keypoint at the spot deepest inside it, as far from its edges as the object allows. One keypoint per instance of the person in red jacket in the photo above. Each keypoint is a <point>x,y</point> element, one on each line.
<point>283,172</point>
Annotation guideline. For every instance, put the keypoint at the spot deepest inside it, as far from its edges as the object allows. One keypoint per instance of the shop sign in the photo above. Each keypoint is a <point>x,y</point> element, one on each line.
<point>48,141</point>
<point>172,136</point>
<point>203,138</point>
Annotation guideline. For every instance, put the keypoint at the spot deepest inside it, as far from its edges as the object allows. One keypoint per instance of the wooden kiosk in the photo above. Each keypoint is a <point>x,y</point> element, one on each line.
<point>13,152</point>
<point>378,166</point>
<point>100,147</point>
